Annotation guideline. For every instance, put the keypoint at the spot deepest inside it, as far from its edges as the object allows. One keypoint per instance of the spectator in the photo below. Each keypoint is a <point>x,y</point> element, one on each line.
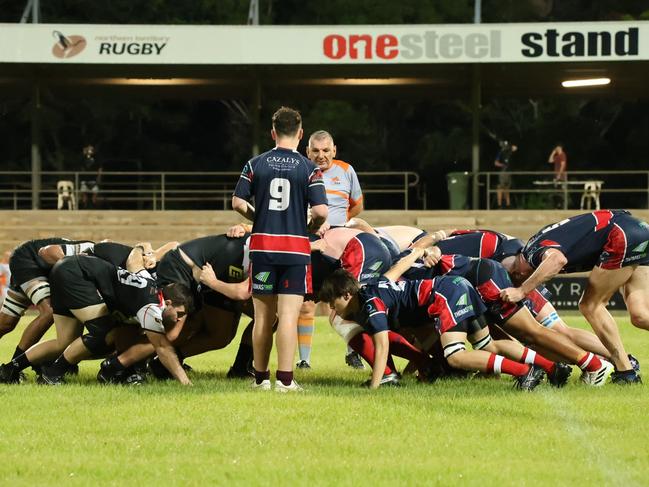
<point>90,163</point>
<point>503,159</point>
<point>559,158</point>
<point>5,275</point>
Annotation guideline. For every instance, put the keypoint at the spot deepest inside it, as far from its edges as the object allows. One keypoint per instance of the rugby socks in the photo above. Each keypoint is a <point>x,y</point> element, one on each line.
<point>284,376</point>
<point>261,376</point>
<point>17,352</point>
<point>243,358</point>
<point>363,345</point>
<point>531,357</point>
<point>401,347</point>
<point>497,364</point>
<point>21,362</point>
<point>305,326</point>
<point>59,366</point>
<point>589,362</point>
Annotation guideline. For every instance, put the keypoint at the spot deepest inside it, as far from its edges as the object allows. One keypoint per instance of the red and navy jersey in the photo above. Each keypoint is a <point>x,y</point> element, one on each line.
<point>485,244</point>
<point>282,183</point>
<point>383,304</point>
<point>587,240</point>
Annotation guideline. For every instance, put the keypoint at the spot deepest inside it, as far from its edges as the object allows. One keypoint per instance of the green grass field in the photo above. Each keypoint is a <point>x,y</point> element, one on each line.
<point>219,432</point>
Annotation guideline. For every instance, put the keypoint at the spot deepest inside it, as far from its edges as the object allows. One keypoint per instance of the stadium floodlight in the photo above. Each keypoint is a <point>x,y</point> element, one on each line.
<point>576,83</point>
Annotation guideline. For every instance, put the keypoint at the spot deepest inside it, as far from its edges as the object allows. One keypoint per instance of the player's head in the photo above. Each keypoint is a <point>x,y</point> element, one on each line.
<point>321,149</point>
<point>287,122</point>
<point>179,301</point>
<point>338,290</point>
<point>520,270</point>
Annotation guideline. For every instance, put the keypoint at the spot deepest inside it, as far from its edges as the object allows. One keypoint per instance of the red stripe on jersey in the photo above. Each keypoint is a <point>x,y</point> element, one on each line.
<point>549,243</point>
<point>488,245</point>
<point>462,232</point>
<point>280,243</point>
<point>379,304</point>
<point>353,257</point>
<point>447,263</point>
<point>424,291</point>
<point>309,284</point>
<point>602,217</point>
<point>490,293</point>
<point>439,307</point>
<point>616,248</point>
<point>161,298</point>
<point>538,301</point>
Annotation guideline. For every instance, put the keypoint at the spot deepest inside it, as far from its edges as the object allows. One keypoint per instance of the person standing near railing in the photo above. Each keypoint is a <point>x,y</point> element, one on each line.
<point>503,159</point>
<point>345,201</point>
<point>90,184</point>
<point>559,158</point>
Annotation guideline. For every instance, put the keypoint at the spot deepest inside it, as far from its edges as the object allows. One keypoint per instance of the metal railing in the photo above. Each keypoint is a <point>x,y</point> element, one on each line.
<point>180,190</point>
<point>538,189</point>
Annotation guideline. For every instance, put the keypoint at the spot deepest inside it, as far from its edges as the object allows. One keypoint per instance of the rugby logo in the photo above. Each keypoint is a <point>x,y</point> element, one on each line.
<point>67,46</point>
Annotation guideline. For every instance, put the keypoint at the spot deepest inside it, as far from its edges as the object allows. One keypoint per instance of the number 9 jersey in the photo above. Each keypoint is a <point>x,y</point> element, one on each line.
<point>283,183</point>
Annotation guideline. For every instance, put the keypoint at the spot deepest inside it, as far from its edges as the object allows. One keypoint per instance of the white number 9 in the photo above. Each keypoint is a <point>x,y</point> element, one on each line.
<point>280,193</point>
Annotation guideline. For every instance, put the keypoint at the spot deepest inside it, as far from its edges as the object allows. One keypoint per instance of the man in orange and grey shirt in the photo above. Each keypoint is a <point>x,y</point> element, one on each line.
<point>345,200</point>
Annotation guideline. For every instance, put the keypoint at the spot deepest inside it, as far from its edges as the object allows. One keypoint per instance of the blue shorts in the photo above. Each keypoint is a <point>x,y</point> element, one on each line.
<point>365,257</point>
<point>280,279</point>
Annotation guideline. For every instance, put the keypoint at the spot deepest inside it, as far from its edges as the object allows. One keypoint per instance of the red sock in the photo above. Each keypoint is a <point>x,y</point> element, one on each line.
<point>589,362</point>
<point>498,364</point>
<point>364,346</point>
<point>401,347</point>
<point>531,357</point>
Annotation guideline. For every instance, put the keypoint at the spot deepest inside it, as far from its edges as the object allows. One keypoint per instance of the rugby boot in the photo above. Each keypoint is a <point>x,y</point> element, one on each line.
<point>353,359</point>
<point>9,374</point>
<point>626,377</point>
<point>598,377</point>
<point>560,374</point>
<point>529,381</point>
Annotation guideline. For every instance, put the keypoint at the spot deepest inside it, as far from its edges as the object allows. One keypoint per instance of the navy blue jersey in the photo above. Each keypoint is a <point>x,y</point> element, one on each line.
<point>486,244</point>
<point>605,238</point>
<point>283,183</point>
<point>384,303</point>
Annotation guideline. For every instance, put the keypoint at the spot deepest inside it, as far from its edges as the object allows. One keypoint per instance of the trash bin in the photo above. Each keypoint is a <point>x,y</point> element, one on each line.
<point>458,190</point>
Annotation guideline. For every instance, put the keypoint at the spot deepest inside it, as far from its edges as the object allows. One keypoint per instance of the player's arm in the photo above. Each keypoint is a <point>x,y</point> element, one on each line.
<point>552,261</point>
<point>160,252</point>
<point>355,209</point>
<point>136,260</point>
<point>244,208</point>
<point>167,355</point>
<point>381,350</point>
<point>405,263</point>
<point>319,215</point>
<point>360,224</point>
<point>238,291</point>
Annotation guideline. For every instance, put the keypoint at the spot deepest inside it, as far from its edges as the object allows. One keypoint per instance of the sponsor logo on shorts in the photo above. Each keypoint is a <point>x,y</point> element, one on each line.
<point>376,266</point>
<point>235,272</point>
<point>262,276</point>
<point>642,247</point>
<point>459,313</point>
<point>635,257</point>
<point>371,275</point>
<point>262,287</point>
<point>463,301</point>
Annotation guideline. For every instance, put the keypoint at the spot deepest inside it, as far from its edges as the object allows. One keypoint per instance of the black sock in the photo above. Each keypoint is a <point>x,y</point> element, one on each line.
<point>59,367</point>
<point>21,362</point>
<point>114,365</point>
<point>19,351</point>
<point>261,376</point>
<point>284,376</point>
<point>243,358</point>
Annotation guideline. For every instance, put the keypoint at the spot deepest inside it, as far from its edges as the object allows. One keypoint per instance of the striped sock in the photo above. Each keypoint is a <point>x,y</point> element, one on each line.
<point>589,362</point>
<point>305,326</point>
<point>531,357</point>
<point>497,364</point>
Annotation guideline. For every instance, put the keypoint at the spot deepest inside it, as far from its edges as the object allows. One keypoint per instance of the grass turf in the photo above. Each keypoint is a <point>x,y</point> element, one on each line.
<point>220,432</point>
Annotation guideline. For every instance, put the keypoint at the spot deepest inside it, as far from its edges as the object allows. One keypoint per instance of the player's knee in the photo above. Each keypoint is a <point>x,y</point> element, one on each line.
<point>640,318</point>
<point>588,307</point>
<point>454,353</point>
<point>96,345</point>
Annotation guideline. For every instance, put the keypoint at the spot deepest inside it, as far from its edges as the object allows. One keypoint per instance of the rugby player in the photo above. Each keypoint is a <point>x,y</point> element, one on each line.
<point>29,284</point>
<point>85,290</point>
<point>283,183</point>
<point>612,244</point>
<point>378,303</point>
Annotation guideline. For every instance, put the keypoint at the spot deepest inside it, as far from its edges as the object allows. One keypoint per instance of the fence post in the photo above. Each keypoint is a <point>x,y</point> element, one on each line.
<point>162,191</point>
<point>488,191</point>
<point>405,188</point>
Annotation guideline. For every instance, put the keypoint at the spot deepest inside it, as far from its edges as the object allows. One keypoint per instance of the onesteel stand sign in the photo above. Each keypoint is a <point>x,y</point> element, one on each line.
<point>362,44</point>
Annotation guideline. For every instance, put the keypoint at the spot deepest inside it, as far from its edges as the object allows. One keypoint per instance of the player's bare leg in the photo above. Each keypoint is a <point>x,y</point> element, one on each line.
<point>602,283</point>
<point>636,297</point>
<point>288,307</point>
<point>262,335</point>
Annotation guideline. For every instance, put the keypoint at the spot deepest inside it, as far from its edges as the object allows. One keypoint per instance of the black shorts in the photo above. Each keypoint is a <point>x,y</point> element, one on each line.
<point>71,286</point>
